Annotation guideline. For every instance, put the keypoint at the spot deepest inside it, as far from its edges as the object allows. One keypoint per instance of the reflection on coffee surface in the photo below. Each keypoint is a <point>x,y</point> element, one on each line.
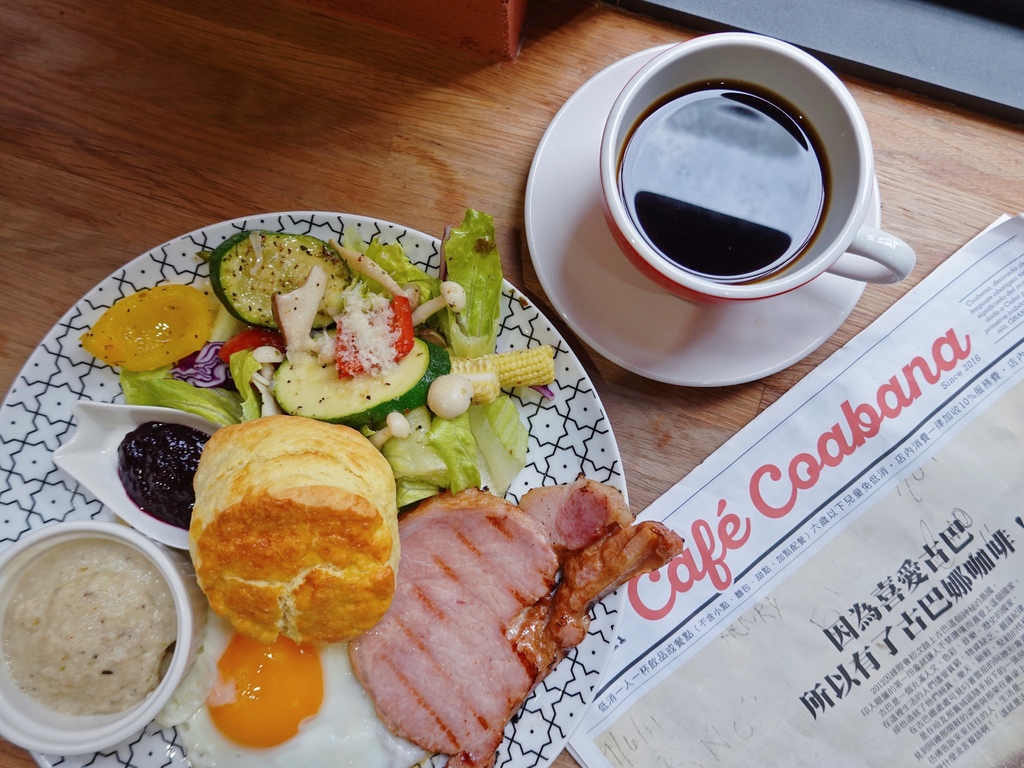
<point>725,182</point>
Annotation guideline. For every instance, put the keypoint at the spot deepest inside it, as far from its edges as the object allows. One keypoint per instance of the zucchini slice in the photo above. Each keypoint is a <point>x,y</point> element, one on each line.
<point>308,388</point>
<point>248,268</point>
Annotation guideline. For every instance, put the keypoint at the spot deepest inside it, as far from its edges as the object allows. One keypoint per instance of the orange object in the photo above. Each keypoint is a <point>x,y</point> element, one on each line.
<point>264,692</point>
<point>490,28</point>
<point>401,324</point>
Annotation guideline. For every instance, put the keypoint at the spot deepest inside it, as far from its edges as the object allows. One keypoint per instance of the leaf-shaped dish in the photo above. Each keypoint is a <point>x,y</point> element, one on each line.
<point>90,457</point>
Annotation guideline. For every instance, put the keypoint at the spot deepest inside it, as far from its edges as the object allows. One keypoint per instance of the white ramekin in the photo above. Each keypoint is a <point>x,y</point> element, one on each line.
<point>33,726</point>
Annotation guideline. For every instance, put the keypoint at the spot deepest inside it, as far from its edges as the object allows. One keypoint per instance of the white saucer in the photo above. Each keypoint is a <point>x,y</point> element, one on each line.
<point>622,315</point>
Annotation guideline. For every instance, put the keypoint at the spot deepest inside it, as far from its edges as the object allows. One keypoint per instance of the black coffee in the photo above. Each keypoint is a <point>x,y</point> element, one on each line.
<point>725,182</point>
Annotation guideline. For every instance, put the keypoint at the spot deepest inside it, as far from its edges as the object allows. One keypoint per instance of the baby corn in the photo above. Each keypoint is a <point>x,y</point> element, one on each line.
<point>482,374</point>
<point>517,368</point>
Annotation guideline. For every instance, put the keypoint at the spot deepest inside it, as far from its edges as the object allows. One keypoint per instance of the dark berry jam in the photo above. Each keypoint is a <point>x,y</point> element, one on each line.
<point>156,463</point>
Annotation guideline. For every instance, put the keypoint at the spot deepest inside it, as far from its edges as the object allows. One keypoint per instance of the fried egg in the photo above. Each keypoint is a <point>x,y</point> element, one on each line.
<point>245,704</point>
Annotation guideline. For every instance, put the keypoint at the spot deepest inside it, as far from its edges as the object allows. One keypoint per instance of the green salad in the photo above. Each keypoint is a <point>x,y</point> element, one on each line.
<point>347,332</point>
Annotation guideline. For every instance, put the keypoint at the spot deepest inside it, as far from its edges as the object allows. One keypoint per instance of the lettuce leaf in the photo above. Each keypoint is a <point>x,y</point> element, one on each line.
<point>243,366</point>
<point>453,441</point>
<point>395,262</point>
<point>159,388</point>
<point>352,239</point>
<point>438,453</point>
<point>502,440</point>
<point>413,459</point>
<point>409,490</point>
<point>472,259</point>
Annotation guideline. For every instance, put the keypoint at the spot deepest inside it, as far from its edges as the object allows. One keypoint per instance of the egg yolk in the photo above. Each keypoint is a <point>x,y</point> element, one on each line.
<point>264,692</point>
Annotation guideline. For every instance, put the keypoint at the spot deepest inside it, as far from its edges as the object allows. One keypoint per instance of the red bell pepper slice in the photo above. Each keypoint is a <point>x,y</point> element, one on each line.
<point>346,360</point>
<point>401,323</point>
<point>251,338</point>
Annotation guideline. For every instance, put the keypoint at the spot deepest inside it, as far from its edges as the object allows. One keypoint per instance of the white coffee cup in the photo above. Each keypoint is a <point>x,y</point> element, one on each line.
<point>808,92</point>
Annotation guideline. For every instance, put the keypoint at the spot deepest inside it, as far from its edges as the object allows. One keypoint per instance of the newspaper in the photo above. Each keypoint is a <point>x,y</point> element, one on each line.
<point>850,592</point>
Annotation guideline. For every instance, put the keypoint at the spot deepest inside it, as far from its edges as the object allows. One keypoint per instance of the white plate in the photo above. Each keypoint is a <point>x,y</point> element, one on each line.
<point>568,435</point>
<point>621,314</point>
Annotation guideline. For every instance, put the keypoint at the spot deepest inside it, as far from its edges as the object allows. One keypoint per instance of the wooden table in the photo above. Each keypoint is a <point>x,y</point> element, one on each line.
<point>124,124</point>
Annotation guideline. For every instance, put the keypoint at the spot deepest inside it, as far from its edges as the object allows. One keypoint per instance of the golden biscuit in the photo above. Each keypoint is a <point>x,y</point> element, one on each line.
<point>295,529</point>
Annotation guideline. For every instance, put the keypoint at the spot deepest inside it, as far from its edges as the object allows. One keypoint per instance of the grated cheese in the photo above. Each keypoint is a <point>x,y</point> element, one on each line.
<point>365,337</point>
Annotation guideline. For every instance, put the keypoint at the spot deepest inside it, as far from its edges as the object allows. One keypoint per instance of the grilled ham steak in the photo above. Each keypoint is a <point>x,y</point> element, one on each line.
<point>477,620</point>
<point>576,515</point>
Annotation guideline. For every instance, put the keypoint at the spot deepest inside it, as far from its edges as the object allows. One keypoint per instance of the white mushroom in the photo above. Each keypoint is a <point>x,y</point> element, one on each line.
<point>396,425</point>
<point>450,395</point>
<point>364,265</point>
<point>295,312</point>
<point>267,356</point>
<point>263,379</point>
<point>452,296</point>
<point>256,241</point>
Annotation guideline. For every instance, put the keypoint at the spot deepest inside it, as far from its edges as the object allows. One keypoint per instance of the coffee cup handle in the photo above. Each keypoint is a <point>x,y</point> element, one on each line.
<point>875,257</point>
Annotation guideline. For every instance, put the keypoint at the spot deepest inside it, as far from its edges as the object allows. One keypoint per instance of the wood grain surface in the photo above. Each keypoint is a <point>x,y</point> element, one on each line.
<point>124,123</point>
